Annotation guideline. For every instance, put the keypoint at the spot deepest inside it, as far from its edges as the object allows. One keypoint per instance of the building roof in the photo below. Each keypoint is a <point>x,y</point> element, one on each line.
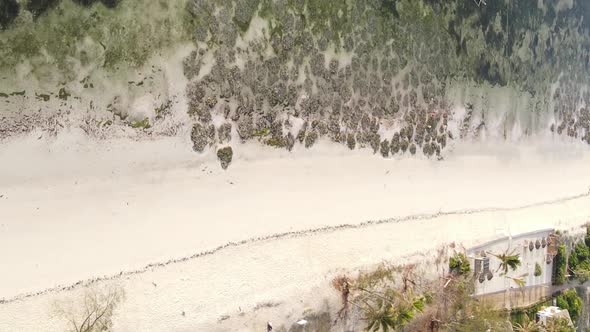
<point>540,232</point>
<point>554,312</point>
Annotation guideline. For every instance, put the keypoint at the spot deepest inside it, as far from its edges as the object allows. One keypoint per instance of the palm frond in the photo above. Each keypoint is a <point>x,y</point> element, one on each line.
<point>380,316</point>
<point>513,261</point>
<point>419,304</point>
<point>405,314</point>
<point>518,281</point>
<point>507,261</point>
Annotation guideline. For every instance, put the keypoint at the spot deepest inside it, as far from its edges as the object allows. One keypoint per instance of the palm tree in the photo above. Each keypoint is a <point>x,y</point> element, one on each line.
<point>381,316</point>
<point>507,260</point>
<point>391,310</point>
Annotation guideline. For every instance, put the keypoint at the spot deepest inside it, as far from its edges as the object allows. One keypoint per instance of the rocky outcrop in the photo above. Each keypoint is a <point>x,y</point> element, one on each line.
<point>202,136</point>
<point>225,156</point>
<point>387,64</point>
<point>224,133</point>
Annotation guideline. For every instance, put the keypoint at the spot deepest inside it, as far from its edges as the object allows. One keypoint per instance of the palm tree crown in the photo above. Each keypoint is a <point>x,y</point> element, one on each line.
<point>508,260</point>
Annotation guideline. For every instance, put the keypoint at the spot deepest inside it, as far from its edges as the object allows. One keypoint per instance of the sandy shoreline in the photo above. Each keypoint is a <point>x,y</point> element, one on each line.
<point>294,273</point>
<point>90,209</point>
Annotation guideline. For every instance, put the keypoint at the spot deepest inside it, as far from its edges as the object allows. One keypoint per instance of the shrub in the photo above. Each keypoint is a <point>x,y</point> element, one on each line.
<point>580,254</point>
<point>143,124</point>
<point>570,300</point>
<point>538,270</point>
<point>459,264</point>
<point>582,273</point>
<point>560,266</point>
<point>482,316</point>
<point>559,325</point>
<point>579,261</point>
<point>93,312</point>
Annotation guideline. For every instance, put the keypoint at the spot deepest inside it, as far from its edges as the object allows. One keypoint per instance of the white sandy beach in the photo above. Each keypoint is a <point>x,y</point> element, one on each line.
<point>74,209</point>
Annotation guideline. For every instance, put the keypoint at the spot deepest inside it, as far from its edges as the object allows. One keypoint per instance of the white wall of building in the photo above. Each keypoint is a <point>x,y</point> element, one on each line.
<point>518,244</point>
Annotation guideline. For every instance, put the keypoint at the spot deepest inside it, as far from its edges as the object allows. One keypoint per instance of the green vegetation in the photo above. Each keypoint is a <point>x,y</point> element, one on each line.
<point>388,313</point>
<point>576,265</point>
<point>538,270</point>
<point>560,266</point>
<point>570,300</point>
<point>383,303</point>
<point>507,260</point>
<point>579,256</point>
<point>528,325</point>
<point>69,33</point>
<point>522,315</point>
<point>582,273</point>
<point>519,281</point>
<point>163,110</point>
<point>261,132</point>
<point>559,325</point>
<point>397,299</point>
<point>482,317</point>
<point>455,38</point>
<point>459,264</point>
<point>412,305</point>
<point>523,320</point>
<point>276,142</point>
<point>579,260</point>
<point>143,124</point>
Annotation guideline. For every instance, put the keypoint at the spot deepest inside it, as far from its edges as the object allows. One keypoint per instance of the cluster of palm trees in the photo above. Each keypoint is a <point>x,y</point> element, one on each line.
<point>392,310</point>
<point>386,306</point>
<point>383,308</point>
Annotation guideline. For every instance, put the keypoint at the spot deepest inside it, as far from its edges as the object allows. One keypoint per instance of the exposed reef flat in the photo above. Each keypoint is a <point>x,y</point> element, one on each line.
<point>393,77</point>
